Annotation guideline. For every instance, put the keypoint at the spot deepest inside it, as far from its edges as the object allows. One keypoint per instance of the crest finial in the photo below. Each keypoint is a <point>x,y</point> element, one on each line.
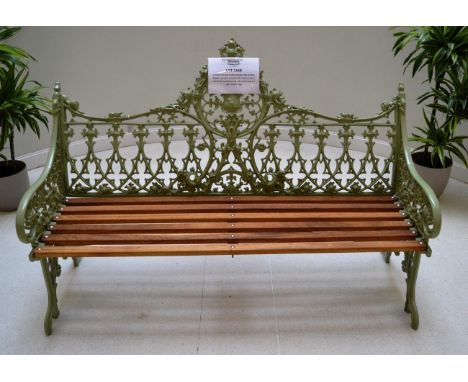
<point>401,93</point>
<point>56,96</point>
<point>57,87</point>
<point>401,89</point>
<point>231,49</point>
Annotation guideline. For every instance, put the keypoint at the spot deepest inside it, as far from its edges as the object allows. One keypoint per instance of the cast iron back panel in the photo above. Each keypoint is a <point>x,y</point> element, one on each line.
<point>229,144</point>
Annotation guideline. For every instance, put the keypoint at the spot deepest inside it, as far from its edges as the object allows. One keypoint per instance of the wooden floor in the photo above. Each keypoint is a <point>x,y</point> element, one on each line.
<point>216,225</point>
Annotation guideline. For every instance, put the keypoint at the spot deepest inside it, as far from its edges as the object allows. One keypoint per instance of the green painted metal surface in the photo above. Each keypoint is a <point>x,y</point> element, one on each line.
<point>44,197</point>
<point>410,265</point>
<point>420,203</point>
<point>227,144</point>
<point>51,270</point>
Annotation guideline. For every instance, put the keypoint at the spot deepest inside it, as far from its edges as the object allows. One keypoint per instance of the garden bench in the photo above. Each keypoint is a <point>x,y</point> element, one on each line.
<point>227,175</point>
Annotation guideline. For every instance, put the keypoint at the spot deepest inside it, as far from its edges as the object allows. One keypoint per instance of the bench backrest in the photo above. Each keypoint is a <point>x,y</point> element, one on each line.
<point>228,144</point>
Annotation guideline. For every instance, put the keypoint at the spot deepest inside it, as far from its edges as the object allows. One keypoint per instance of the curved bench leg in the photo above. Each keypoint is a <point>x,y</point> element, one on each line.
<point>76,261</point>
<point>387,257</point>
<point>410,265</point>
<point>51,270</point>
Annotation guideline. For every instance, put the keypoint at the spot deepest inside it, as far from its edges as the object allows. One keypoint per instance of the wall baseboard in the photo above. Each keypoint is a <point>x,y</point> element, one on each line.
<point>38,158</point>
<point>459,172</point>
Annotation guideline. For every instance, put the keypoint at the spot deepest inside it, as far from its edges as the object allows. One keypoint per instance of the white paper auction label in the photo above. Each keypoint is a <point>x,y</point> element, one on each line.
<point>233,75</point>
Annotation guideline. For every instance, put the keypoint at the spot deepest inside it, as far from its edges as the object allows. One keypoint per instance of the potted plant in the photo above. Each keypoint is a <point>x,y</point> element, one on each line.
<point>443,52</point>
<point>21,107</point>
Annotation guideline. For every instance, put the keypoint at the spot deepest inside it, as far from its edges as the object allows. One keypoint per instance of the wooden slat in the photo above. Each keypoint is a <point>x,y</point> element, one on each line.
<point>236,216</point>
<point>224,207</point>
<point>222,198</point>
<point>63,227</point>
<point>223,249</point>
<point>220,237</point>
<point>328,247</point>
<point>133,250</point>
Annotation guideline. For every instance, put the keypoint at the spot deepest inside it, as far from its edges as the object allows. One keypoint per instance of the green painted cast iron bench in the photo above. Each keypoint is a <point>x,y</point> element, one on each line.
<point>227,175</point>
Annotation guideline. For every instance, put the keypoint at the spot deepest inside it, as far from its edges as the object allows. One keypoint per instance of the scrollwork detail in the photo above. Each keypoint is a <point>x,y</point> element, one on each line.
<point>229,144</point>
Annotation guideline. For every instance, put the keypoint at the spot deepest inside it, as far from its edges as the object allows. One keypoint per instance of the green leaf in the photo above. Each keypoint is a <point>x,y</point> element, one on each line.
<point>459,154</point>
<point>8,32</point>
<point>10,54</point>
<point>21,105</point>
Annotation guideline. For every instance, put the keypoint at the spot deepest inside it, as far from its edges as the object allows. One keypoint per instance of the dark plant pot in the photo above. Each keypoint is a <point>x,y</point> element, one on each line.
<point>437,178</point>
<point>14,181</point>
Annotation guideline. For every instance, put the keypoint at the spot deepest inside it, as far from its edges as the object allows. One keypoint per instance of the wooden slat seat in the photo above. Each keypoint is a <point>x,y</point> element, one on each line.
<point>206,225</point>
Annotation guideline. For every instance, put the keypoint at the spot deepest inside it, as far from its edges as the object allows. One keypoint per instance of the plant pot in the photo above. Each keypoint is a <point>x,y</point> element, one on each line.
<point>14,181</point>
<point>437,178</point>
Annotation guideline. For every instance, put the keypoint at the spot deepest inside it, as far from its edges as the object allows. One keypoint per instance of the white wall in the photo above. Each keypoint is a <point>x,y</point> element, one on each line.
<point>132,69</point>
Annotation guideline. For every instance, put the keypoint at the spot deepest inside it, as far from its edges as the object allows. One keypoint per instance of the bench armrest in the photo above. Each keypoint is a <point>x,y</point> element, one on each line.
<point>44,197</point>
<point>419,200</point>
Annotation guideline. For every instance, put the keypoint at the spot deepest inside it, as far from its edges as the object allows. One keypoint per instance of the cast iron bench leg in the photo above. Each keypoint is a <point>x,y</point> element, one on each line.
<point>50,270</point>
<point>387,257</point>
<point>411,267</point>
<point>76,261</point>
